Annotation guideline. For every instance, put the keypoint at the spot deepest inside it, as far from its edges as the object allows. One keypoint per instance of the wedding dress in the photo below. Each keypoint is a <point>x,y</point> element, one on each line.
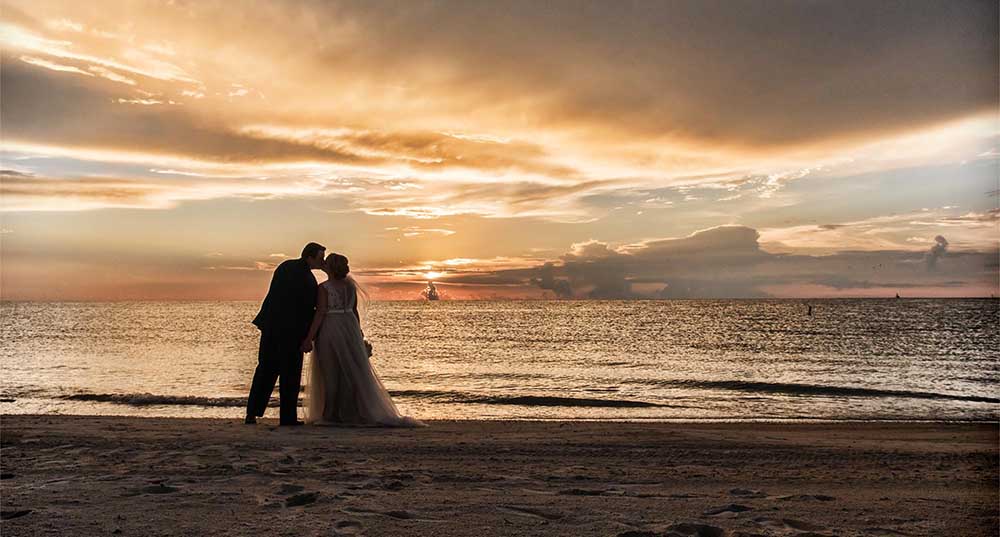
<point>342,386</point>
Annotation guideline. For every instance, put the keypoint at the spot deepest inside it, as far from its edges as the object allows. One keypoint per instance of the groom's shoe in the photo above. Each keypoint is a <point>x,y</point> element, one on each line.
<point>292,424</point>
<point>250,420</point>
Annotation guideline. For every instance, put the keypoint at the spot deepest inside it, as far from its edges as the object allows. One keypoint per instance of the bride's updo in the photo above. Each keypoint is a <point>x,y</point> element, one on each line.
<point>337,267</point>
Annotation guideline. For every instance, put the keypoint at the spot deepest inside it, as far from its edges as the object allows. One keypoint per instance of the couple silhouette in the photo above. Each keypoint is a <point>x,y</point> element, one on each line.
<point>300,316</point>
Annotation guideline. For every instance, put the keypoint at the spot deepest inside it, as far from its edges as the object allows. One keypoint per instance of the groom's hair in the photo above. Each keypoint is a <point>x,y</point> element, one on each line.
<point>312,249</point>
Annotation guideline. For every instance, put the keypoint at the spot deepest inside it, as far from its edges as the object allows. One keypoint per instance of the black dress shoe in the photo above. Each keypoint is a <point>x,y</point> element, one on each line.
<point>250,420</point>
<point>292,424</point>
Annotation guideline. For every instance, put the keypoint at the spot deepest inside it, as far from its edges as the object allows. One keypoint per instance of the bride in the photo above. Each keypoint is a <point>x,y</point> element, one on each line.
<point>342,386</point>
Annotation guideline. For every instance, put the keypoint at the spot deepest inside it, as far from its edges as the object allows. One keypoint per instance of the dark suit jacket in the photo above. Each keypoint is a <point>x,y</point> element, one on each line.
<point>290,303</point>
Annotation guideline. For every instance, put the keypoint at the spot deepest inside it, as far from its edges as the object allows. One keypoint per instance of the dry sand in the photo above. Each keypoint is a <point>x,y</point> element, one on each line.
<point>129,476</point>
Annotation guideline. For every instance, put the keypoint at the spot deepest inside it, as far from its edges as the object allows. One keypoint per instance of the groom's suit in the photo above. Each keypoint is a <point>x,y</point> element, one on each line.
<point>283,321</point>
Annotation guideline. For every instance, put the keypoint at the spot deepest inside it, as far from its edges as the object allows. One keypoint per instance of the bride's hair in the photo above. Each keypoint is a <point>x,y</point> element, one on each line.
<point>338,269</point>
<point>338,266</point>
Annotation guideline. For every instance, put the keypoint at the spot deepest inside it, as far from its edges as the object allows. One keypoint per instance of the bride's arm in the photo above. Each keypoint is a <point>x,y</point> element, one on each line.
<point>317,319</point>
<point>357,315</point>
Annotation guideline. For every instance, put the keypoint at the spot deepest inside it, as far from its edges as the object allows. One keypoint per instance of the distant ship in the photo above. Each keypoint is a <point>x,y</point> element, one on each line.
<point>431,293</point>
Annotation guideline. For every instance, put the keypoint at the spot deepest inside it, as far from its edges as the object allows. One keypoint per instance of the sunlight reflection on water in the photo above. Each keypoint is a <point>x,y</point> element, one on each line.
<point>735,359</point>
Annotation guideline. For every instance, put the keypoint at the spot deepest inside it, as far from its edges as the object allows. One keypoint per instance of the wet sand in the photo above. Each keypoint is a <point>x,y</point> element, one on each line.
<point>65,475</point>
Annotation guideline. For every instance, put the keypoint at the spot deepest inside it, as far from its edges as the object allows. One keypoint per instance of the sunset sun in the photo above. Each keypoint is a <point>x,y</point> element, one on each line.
<point>432,275</point>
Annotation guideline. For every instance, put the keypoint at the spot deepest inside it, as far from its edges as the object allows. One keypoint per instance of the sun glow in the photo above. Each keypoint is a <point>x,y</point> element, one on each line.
<point>432,275</point>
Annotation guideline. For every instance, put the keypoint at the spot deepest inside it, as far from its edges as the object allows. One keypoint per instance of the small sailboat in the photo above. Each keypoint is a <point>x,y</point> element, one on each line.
<point>431,292</point>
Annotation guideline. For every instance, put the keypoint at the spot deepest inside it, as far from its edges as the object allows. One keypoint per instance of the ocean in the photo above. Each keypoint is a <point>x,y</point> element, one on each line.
<point>686,360</point>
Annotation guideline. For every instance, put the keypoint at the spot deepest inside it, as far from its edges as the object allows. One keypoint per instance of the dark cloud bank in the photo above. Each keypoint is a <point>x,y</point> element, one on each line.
<point>741,72</point>
<point>732,71</point>
<point>728,262</point>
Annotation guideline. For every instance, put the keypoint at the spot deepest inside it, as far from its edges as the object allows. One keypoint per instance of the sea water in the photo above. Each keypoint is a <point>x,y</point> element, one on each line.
<point>851,359</point>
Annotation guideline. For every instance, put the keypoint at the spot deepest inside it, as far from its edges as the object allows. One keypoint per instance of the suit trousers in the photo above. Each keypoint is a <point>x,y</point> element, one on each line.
<point>278,357</point>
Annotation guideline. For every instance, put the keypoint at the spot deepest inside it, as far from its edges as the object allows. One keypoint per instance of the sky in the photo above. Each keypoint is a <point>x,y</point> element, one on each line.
<point>564,149</point>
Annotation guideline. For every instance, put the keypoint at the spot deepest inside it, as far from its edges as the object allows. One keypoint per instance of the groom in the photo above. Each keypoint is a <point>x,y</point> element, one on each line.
<point>283,321</point>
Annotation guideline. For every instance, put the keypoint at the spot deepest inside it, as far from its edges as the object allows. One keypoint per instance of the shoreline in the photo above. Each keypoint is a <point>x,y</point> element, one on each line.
<point>257,299</point>
<point>652,421</point>
<point>87,475</point>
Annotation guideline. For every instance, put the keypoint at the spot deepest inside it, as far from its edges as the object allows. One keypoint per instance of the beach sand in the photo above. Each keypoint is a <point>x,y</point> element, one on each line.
<point>66,475</point>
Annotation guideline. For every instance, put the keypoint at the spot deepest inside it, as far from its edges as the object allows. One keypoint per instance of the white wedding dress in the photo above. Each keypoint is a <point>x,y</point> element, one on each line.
<point>342,386</point>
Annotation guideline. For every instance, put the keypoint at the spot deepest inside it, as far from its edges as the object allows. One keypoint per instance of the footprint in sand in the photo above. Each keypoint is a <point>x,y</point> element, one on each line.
<point>398,514</point>
<point>289,488</point>
<point>728,510</point>
<point>688,529</point>
<point>747,493</point>
<point>581,492</point>
<point>304,498</point>
<point>788,524</point>
<point>7,515</point>
<point>883,532</point>
<point>347,527</point>
<point>531,512</point>
<point>526,491</point>
<point>806,498</point>
<point>393,485</point>
<point>158,488</point>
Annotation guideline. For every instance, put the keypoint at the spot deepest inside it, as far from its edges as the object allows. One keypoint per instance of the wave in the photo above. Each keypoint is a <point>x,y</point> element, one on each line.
<point>533,400</point>
<point>445,396</point>
<point>522,400</point>
<point>815,389</point>
<point>148,399</point>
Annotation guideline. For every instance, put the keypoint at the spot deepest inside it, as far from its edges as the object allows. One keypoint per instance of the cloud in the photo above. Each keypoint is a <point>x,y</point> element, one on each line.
<point>990,216</point>
<point>22,191</point>
<point>546,280</point>
<point>426,96</point>
<point>111,75</point>
<point>425,150</point>
<point>42,108</point>
<point>417,231</point>
<point>28,192</point>
<point>662,88</point>
<point>53,65</point>
<point>824,71</point>
<point>590,249</point>
<point>937,251</point>
<point>970,230</point>
<point>23,32</point>
<point>696,265</point>
<point>728,262</point>
<point>259,266</point>
<point>46,109</point>
<point>720,262</point>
